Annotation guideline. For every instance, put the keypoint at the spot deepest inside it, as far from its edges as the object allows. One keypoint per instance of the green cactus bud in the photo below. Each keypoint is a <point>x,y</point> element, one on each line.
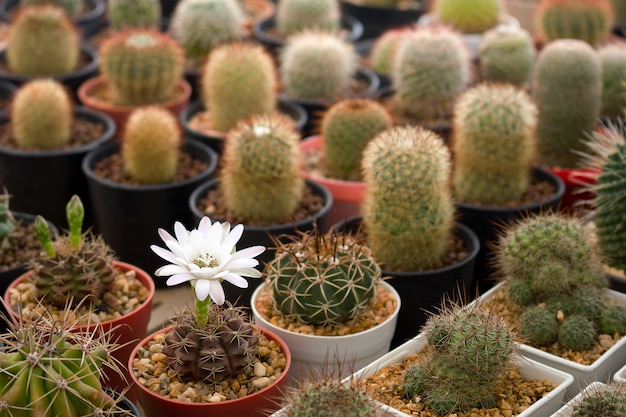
<point>408,211</point>
<point>539,326</point>
<point>239,80</point>
<point>506,54</point>
<point>347,128</point>
<point>612,319</point>
<point>430,70</point>
<point>494,144</point>
<point>577,333</point>
<point>141,66</point>
<point>469,16</point>
<point>261,178</point>
<point>42,41</point>
<point>150,145</point>
<point>384,50</point>
<point>323,279</point>
<point>607,400</point>
<point>201,25</point>
<point>137,14</point>
<point>302,57</point>
<point>294,16</point>
<point>613,60</point>
<point>42,115</point>
<point>71,7</point>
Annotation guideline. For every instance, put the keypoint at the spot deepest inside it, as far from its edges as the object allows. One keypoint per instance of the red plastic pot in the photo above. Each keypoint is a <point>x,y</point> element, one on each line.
<point>578,197</point>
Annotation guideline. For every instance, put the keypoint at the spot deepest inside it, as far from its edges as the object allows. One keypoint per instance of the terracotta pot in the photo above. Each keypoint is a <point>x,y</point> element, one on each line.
<point>257,404</point>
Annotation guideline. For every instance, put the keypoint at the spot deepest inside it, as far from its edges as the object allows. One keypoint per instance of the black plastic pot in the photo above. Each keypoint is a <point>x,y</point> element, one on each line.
<point>124,403</point>
<point>378,19</point>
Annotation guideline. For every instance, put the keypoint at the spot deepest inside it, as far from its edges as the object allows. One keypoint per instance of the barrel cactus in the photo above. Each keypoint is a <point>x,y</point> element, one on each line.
<point>469,16</point>
<point>71,7</point>
<point>138,14</point>
<point>294,16</point>
<point>506,54</point>
<point>613,60</point>
<point>384,50</point>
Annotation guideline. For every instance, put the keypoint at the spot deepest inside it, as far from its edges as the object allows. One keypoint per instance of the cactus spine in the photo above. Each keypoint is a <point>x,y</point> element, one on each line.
<point>506,55</point>
<point>150,146</point>
<point>42,41</point>
<point>408,212</point>
<point>41,115</point>
<point>294,16</point>
<point>613,60</point>
<point>261,179</point>
<point>469,16</point>
<point>494,144</point>
<point>71,7</point>
<point>239,80</point>
<point>141,66</point>
<point>138,14</point>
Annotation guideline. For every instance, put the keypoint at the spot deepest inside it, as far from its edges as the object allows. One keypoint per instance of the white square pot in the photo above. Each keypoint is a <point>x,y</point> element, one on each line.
<point>566,410</point>
<point>620,375</point>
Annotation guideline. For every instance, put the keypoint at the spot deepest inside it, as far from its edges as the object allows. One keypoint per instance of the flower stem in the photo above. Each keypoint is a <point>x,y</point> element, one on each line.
<point>202,310</point>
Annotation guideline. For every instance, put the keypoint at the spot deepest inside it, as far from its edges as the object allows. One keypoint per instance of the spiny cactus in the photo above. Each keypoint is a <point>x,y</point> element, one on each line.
<point>42,115</point>
<point>261,169</point>
<point>613,60</point>
<point>408,211</point>
<point>322,279</point>
<point>539,326</point>
<point>590,21</point>
<point>201,25</point>
<point>469,16</point>
<point>494,144</point>
<point>294,16</point>
<point>75,266</point>
<point>384,50</point>
<point>607,400</point>
<point>302,57</point>
<point>577,333</point>
<point>612,319</point>
<point>72,7</point>
<point>238,80</point>
<point>138,14</point>
<point>347,127</point>
<point>507,55</point>
<point>151,145</point>
<point>567,88</point>
<point>141,66</point>
<point>42,41</point>
<point>431,68</point>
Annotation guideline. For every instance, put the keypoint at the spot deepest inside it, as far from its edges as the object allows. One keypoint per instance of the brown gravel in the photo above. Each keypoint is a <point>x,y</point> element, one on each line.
<point>23,245</point>
<point>83,132</point>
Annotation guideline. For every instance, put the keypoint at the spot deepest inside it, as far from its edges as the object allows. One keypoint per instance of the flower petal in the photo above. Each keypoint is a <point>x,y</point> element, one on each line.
<point>247,272</point>
<point>217,293</point>
<point>171,270</point>
<point>179,279</point>
<point>240,263</point>
<point>236,280</point>
<point>233,237</point>
<point>165,254</point>
<point>250,252</point>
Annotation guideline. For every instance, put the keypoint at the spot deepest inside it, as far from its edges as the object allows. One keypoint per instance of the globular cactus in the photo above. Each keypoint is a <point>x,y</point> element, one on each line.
<point>494,144</point>
<point>567,88</point>
<point>469,16</point>
<point>239,80</point>
<point>76,266</point>
<point>138,14</point>
<point>261,179</point>
<point>590,21</point>
<point>71,7</point>
<point>577,333</point>
<point>431,69</point>
<point>294,16</point>
<point>384,50</point>
<point>539,326</point>
<point>141,66</point>
<point>7,220</point>
<point>607,400</point>
<point>322,279</point>
<point>612,319</point>
<point>506,54</point>
<point>225,346</point>
<point>151,145</point>
<point>42,41</point>
<point>302,57</point>
<point>347,127</point>
<point>201,25</point>
<point>408,211</point>
<point>613,60</point>
<point>42,115</point>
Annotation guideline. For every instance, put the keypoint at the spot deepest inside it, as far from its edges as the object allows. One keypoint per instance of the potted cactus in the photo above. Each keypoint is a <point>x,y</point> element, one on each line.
<point>382,53</point>
<point>506,55</point>
<point>598,398</point>
<point>613,61</point>
<point>84,14</point>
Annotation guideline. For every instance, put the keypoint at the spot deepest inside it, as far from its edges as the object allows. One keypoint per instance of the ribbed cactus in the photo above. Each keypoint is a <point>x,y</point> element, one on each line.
<point>590,21</point>
<point>41,115</point>
<point>494,144</point>
<point>239,80</point>
<point>431,68</point>
<point>225,346</point>
<point>201,25</point>
<point>507,55</point>
<point>137,14</point>
<point>42,41</point>
<point>151,145</point>
<point>322,279</point>
<point>613,60</point>
<point>141,66</point>
<point>302,57</point>
<point>384,49</point>
<point>567,88</point>
<point>469,16</point>
<point>261,179</point>
<point>607,400</point>
<point>347,127</point>
<point>72,7</point>
<point>408,211</point>
<point>294,16</point>
<point>73,267</point>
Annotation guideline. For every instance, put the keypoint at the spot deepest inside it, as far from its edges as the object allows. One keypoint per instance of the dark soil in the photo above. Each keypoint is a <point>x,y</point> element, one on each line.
<point>21,246</point>
<point>83,133</point>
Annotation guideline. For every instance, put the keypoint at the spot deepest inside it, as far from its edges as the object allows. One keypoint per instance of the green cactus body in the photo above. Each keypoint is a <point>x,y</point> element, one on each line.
<point>7,221</point>
<point>539,326</point>
<point>323,279</point>
<point>567,88</point>
<point>430,70</point>
<point>72,7</point>
<point>577,333</point>
<point>305,54</point>
<point>141,66</point>
<point>294,16</point>
<point>42,41</point>
<point>612,319</point>
<point>494,144</point>
<point>619,11</point>
<point>606,400</point>
<point>590,21</point>
<point>41,115</point>
<point>150,145</point>
<point>239,80</point>
<point>347,128</point>
<point>261,179</point>
<point>506,55</point>
<point>585,301</point>
<point>408,211</point>
<point>201,25</point>
<point>469,16</point>
<point>137,14</point>
<point>613,59</point>
<point>384,50</point>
